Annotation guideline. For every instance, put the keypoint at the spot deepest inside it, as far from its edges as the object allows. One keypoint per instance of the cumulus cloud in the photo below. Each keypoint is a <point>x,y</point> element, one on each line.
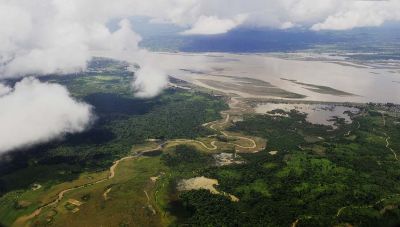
<point>149,81</point>
<point>203,16</point>
<point>44,37</point>
<point>39,37</point>
<point>56,36</point>
<point>34,112</point>
<point>4,89</point>
<point>212,25</point>
<point>361,14</point>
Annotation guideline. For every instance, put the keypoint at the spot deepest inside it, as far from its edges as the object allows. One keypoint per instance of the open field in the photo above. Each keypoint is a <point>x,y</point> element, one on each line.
<point>132,180</point>
<point>64,204</point>
<point>280,169</point>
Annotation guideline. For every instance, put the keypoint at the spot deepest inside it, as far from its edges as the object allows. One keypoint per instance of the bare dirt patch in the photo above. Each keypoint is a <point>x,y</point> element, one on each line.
<point>203,183</point>
<point>224,159</point>
<point>273,152</point>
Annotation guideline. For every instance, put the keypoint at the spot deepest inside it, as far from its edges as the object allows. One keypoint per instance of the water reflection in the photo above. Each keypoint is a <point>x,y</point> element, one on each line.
<point>316,113</point>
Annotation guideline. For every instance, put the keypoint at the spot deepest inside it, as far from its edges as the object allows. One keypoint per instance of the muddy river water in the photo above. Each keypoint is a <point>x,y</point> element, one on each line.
<point>315,80</point>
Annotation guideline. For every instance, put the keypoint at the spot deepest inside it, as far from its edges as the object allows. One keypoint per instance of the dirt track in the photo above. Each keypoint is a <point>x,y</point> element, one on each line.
<point>23,220</point>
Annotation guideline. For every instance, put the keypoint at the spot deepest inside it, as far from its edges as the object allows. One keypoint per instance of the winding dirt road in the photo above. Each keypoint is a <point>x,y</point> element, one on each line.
<point>388,139</point>
<point>23,220</point>
<point>391,149</point>
<point>226,121</point>
<point>340,210</point>
<point>212,148</point>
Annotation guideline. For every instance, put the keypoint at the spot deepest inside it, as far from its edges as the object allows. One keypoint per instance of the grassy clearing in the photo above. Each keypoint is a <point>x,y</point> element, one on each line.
<point>24,202</point>
<point>127,203</point>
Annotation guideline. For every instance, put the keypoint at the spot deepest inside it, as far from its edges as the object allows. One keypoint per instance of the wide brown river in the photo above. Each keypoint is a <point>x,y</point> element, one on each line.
<point>370,82</point>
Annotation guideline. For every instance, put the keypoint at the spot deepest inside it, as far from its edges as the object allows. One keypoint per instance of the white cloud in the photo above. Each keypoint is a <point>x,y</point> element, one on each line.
<point>40,37</point>
<point>52,37</point>
<point>212,25</point>
<point>287,25</point>
<point>57,36</point>
<point>4,90</point>
<point>35,112</point>
<point>361,14</point>
<point>123,39</point>
<point>149,81</point>
<point>203,16</point>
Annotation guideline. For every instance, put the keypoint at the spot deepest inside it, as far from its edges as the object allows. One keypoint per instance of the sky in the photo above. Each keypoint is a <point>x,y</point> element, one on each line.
<point>40,37</point>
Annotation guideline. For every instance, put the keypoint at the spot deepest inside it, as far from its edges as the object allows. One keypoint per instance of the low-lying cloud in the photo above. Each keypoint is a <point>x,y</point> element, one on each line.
<point>212,25</point>
<point>4,90</point>
<point>39,37</point>
<point>57,36</point>
<point>149,81</point>
<point>34,112</point>
<point>361,14</point>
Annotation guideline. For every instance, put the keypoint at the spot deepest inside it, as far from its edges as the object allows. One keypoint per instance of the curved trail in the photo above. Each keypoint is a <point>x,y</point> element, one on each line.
<point>226,121</point>
<point>105,194</point>
<point>212,148</point>
<point>391,149</point>
<point>148,203</point>
<point>22,221</point>
<point>213,124</point>
<point>294,224</point>
<point>388,139</point>
<point>340,210</point>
